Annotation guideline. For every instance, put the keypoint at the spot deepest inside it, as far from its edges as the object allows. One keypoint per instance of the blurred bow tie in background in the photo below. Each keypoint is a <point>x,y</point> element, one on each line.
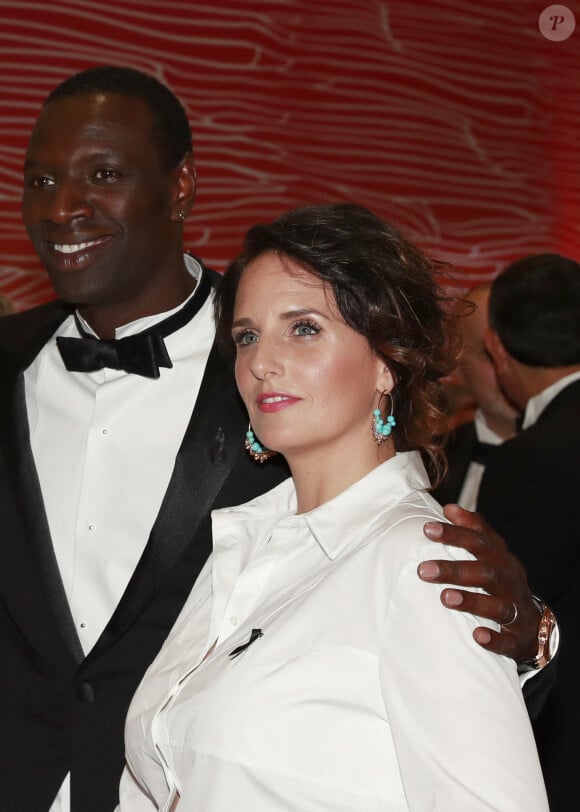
<point>482,451</point>
<point>141,354</point>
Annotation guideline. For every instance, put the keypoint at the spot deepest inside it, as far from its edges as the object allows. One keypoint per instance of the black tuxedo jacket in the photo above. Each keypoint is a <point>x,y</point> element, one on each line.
<point>61,711</point>
<point>529,493</point>
<point>460,450</point>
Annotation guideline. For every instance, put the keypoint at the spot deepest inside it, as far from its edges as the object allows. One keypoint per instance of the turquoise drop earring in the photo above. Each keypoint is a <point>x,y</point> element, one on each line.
<point>382,428</point>
<point>255,449</point>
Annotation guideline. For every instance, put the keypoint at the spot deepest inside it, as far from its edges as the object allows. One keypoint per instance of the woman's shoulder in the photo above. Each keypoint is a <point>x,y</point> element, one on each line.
<point>398,534</point>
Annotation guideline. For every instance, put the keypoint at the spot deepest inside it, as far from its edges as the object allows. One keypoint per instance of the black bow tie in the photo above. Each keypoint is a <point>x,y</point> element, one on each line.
<point>141,354</point>
<point>482,452</point>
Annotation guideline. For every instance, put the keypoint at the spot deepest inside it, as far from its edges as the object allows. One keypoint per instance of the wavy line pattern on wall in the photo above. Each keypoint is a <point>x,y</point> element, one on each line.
<point>453,118</point>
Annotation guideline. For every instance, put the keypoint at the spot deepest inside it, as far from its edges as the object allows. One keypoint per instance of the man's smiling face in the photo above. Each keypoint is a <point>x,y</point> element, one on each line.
<point>97,202</point>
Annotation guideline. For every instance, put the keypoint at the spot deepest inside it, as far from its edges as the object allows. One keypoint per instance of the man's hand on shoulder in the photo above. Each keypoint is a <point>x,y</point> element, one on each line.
<point>509,601</point>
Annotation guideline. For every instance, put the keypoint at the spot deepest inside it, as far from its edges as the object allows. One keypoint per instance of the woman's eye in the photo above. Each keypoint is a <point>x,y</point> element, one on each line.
<point>245,338</point>
<point>305,328</point>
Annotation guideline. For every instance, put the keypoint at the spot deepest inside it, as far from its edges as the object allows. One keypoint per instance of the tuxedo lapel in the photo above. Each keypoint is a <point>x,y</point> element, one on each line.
<point>459,451</point>
<point>30,581</point>
<point>521,457</point>
<point>203,463</point>
<point>567,400</point>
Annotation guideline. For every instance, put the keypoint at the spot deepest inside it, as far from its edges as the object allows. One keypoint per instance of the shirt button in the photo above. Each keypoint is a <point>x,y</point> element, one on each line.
<point>91,527</point>
<point>234,620</point>
<point>86,692</point>
<point>105,431</point>
<point>83,625</point>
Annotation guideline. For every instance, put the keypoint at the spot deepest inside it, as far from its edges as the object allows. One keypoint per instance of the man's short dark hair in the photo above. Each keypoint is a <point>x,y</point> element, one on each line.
<point>534,307</point>
<point>171,131</point>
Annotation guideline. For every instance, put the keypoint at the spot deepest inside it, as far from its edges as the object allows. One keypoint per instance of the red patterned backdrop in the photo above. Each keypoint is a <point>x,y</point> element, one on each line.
<point>457,119</point>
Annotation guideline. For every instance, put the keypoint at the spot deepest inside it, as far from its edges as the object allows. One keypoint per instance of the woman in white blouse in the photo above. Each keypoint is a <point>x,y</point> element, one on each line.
<point>310,669</point>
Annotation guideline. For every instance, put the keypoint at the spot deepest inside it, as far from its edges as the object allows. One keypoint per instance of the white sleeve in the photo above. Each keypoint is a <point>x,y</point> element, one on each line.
<point>131,797</point>
<point>459,723</point>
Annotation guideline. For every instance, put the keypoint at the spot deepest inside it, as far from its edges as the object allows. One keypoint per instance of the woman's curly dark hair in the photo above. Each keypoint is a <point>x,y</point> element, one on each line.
<point>386,290</point>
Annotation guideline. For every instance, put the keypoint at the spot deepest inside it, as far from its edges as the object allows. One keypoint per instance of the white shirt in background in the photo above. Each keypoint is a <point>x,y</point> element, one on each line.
<point>472,482</point>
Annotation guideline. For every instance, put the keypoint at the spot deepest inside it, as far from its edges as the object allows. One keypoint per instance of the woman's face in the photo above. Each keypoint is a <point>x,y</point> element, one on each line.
<point>309,381</point>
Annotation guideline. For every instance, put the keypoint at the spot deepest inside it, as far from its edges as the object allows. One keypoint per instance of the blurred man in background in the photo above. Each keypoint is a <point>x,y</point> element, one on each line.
<point>494,421</point>
<point>530,486</point>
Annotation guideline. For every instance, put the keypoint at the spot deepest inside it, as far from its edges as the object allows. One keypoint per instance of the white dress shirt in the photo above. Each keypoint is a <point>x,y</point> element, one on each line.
<point>104,445</point>
<point>362,693</point>
<point>472,482</point>
<point>536,405</point>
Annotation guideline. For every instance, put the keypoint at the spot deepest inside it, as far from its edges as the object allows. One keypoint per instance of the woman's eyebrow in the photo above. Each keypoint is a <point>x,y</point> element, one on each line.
<point>292,313</point>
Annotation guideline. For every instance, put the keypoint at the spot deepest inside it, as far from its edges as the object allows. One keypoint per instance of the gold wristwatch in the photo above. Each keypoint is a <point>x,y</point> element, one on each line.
<point>545,629</point>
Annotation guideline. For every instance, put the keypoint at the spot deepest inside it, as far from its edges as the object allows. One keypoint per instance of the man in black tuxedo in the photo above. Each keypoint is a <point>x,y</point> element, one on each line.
<point>470,444</point>
<point>530,485</point>
<point>120,429</point>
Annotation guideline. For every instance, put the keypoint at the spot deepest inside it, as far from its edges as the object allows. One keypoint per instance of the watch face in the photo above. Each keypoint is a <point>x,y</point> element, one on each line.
<point>544,652</point>
<point>547,623</point>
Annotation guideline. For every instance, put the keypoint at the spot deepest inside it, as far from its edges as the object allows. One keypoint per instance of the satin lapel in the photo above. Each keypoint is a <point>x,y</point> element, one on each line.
<point>566,400</point>
<point>459,455</point>
<point>464,452</point>
<point>30,581</point>
<point>203,463</point>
